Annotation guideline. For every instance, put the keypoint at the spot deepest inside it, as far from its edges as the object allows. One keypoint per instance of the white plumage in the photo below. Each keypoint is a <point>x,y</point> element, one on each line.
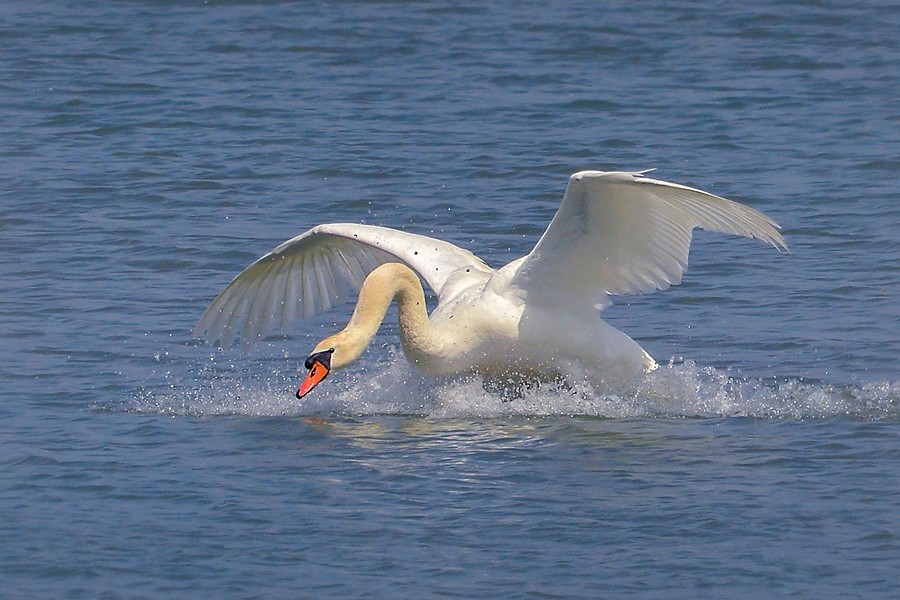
<point>615,233</point>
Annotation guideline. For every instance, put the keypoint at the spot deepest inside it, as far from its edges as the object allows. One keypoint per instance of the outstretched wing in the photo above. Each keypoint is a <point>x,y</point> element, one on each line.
<point>623,233</point>
<point>314,270</point>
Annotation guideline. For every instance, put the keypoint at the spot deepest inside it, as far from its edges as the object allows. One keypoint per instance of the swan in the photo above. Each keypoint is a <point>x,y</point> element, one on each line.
<point>614,233</point>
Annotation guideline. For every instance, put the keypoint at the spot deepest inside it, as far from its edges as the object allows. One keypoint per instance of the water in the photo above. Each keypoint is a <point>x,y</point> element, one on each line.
<point>151,150</point>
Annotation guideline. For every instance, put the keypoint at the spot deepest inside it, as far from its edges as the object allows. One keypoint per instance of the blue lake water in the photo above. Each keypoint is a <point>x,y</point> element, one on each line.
<point>151,150</point>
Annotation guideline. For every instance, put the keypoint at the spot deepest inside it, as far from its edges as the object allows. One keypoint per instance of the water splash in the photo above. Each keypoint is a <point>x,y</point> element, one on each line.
<point>394,387</point>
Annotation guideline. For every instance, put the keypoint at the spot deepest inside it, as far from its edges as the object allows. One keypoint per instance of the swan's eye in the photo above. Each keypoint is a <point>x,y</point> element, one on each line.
<point>323,357</point>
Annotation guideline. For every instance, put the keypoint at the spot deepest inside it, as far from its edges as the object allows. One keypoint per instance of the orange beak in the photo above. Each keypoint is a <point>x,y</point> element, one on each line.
<point>319,365</point>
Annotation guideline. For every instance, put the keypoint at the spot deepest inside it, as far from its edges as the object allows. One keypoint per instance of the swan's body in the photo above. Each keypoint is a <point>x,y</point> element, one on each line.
<point>615,233</point>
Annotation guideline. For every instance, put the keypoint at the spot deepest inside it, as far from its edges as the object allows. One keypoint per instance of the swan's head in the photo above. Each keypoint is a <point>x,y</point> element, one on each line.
<point>319,365</point>
<point>333,353</point>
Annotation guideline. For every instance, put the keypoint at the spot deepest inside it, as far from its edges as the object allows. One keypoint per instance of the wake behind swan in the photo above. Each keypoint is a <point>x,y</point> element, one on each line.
<point>390,386</point>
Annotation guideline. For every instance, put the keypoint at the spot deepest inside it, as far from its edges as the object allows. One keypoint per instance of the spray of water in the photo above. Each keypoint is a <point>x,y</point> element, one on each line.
<point>393,387</point>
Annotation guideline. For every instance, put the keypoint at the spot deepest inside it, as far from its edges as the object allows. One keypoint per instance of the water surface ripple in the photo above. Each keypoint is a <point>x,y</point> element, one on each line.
<point>151,150</point>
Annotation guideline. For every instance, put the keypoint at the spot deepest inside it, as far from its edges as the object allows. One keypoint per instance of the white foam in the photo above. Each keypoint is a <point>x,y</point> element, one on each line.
<point>394,387</point>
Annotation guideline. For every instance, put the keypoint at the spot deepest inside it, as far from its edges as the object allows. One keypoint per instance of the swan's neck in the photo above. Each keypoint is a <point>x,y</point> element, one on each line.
<point>381,287</point>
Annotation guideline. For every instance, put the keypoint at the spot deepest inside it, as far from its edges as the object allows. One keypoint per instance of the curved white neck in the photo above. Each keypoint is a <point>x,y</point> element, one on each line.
<point>388,281</point>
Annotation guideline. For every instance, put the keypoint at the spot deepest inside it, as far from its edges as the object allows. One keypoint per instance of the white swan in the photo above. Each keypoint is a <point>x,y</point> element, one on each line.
<point>615,233</point>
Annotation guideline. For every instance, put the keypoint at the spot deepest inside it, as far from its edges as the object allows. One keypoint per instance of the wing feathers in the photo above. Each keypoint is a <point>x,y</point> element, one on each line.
<point>614,233</point>
<point>621,233</point>
<point>315,270</point>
